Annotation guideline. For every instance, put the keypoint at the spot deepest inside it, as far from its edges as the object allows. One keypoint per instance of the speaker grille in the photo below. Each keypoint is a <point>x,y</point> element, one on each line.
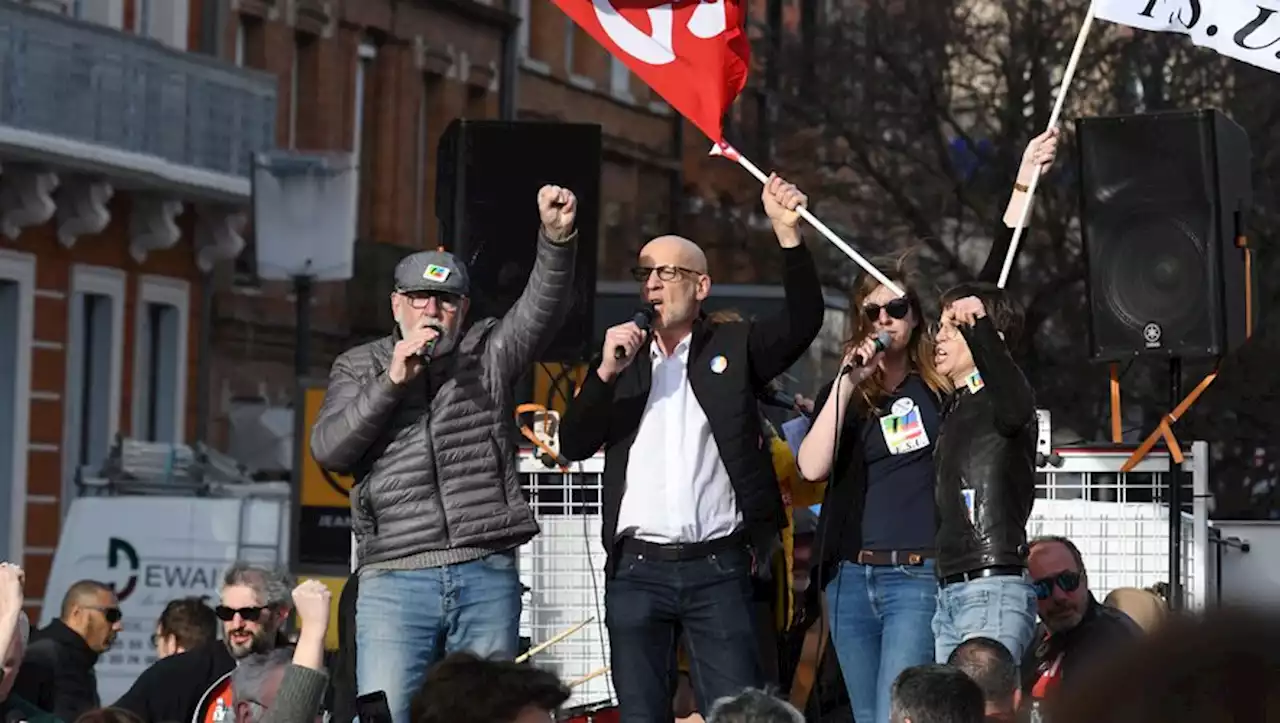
<point>1155,232</point>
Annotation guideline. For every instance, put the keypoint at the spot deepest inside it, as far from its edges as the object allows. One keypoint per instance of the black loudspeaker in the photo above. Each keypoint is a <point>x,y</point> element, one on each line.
<point>1163,197</point>
<point>487,178</point>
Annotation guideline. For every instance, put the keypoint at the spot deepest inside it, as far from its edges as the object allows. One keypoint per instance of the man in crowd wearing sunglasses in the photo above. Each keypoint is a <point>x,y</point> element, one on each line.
<point>195,685</point>
<point>1076,631</point>
<point>57,670</point>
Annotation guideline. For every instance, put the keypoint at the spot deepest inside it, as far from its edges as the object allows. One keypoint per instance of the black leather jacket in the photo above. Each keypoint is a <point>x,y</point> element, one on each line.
<point>986,449</point>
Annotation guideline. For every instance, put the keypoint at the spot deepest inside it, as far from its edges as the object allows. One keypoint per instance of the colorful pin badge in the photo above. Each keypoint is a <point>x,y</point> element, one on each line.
<point>719,364</point>
<point>436,273</point>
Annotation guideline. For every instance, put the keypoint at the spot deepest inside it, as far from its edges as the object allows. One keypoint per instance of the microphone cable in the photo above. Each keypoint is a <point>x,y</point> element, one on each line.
<point>551,458</point>
<point>824,625</point>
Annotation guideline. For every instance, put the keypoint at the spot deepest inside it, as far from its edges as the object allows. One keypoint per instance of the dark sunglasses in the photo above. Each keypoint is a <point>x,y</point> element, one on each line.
<point>112,615</point>
<point>226,614</point>
<point>897,309</point>
<point>1068,581</point>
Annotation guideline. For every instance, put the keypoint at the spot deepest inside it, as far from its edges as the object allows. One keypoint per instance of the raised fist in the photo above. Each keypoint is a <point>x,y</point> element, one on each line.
<point>311,602</point>
<point>557,207</point>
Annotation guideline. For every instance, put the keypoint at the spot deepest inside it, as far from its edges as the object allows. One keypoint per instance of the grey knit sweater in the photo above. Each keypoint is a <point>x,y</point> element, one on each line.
<point>300,697</point>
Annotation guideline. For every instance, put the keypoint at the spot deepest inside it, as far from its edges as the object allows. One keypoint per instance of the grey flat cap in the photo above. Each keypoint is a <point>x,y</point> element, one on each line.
<point>437,271</point>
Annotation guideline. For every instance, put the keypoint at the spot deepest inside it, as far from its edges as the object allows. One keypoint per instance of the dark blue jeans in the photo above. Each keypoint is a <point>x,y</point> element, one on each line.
<point>881,617</point>
<point>647,602</point>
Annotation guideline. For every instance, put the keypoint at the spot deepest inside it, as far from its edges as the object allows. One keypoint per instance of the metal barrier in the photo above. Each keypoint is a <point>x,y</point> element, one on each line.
<point>1117,520</point>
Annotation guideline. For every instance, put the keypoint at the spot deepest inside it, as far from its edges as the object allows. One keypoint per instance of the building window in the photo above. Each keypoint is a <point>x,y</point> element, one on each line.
<point>578,49</point>
<point>17,307</point>
<point>293,91</point>
<point>251,48</point>
<point>430,88</point>
<point>619,79</point>
<point>102,12</point>
<point>167,21</point>
<point>250,52</point>
<point>536,14</point>
<point>160,359</point>
<point>95,358</point>
<point>362,134</point>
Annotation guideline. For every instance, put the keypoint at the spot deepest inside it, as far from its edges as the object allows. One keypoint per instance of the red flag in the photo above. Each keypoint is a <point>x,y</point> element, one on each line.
<point>694,53</point>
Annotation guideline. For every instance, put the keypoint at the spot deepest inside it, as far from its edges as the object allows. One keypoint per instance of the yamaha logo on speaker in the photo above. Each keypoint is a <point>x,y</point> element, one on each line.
<point>1151,334</point>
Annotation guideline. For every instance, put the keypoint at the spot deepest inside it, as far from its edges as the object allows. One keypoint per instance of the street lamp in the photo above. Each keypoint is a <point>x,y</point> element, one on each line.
<point>304,226</point>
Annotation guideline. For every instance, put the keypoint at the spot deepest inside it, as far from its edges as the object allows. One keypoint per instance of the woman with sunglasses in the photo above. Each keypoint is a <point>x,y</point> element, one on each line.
<point>876,530</point>
<point>872,436</point>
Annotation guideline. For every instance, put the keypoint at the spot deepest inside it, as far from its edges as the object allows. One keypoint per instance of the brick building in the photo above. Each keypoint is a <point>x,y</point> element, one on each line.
<point>566,75</point>
<point>124,174</point>
<point>378,78</point>
<point>384,79</point>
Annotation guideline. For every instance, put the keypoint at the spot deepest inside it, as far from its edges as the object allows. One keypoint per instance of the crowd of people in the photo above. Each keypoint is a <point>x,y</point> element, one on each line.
<point>921,451</point>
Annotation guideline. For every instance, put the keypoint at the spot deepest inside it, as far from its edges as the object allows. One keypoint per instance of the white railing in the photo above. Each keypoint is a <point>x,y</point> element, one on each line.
<point>1119,522</point>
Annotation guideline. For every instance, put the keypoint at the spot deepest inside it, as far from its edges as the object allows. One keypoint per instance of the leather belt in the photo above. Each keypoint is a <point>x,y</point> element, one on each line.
<point>894,557</point>
<point>993,571</point>
<point>680,551</point>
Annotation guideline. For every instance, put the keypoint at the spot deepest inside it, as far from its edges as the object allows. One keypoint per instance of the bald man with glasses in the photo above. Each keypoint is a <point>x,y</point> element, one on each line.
<point>691,503</point>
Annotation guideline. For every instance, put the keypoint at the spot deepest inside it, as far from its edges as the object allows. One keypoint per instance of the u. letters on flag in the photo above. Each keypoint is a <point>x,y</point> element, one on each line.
<point>1247,30</point>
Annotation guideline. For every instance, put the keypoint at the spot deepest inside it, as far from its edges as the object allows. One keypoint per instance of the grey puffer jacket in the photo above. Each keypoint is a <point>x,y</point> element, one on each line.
<point>434,460</point>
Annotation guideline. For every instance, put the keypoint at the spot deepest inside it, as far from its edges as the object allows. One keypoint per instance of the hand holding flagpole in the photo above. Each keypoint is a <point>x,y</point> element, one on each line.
<point>728,151</point>
<point>1053,123</point>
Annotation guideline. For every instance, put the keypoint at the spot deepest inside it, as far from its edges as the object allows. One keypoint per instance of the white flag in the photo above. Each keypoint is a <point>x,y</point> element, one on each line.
<point>1247,30</point>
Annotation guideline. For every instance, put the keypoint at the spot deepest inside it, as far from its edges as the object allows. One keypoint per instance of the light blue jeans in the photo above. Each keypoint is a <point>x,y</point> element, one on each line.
<point>1001,607</point>
<point>407,620</point>
<point>880,617</point>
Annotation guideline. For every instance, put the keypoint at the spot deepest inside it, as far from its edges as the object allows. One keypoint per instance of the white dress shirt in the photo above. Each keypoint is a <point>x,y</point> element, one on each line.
<point>677,488</point>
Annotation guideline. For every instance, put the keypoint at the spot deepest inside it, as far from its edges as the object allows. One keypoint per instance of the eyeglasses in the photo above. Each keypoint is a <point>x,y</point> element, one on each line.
<point>897,309</point>
<point>666,273</point>
<point>112,614</point>
<point>226,614</point>
<point>419,300</point>
<point>1066,580</point>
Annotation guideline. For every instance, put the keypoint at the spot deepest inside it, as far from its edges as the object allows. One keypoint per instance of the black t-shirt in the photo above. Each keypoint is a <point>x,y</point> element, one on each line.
<point>898,447</point>
<point>897,511</point>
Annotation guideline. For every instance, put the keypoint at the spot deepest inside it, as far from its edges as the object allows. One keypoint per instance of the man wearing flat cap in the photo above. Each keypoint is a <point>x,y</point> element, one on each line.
<point>422,420</point>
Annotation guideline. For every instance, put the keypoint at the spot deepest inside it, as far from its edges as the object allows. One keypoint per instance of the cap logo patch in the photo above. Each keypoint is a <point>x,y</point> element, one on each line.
<point>436,273</point>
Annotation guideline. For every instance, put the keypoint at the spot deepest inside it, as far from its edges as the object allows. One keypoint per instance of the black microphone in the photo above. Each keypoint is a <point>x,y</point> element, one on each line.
<point>883,340</point>
<point>425,352</point>
<point>642,319</point>
<point>774,398</point>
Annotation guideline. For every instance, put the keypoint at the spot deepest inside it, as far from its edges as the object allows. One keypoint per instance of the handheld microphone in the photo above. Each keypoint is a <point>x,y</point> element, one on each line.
<point>642,319</point>
<point>425,352</point>
<point>774,398</point>
<point>883,340</point>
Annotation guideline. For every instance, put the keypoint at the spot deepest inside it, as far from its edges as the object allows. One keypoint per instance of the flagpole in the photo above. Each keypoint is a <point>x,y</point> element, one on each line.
<point>1053,123</point>
<point>728,151</point>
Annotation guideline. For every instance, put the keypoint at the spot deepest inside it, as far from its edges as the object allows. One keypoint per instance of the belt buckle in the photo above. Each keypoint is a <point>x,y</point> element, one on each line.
<point>915,558</point>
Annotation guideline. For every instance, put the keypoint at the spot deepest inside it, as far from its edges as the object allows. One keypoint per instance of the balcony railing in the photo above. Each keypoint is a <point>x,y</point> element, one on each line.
<point>91,84</point>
